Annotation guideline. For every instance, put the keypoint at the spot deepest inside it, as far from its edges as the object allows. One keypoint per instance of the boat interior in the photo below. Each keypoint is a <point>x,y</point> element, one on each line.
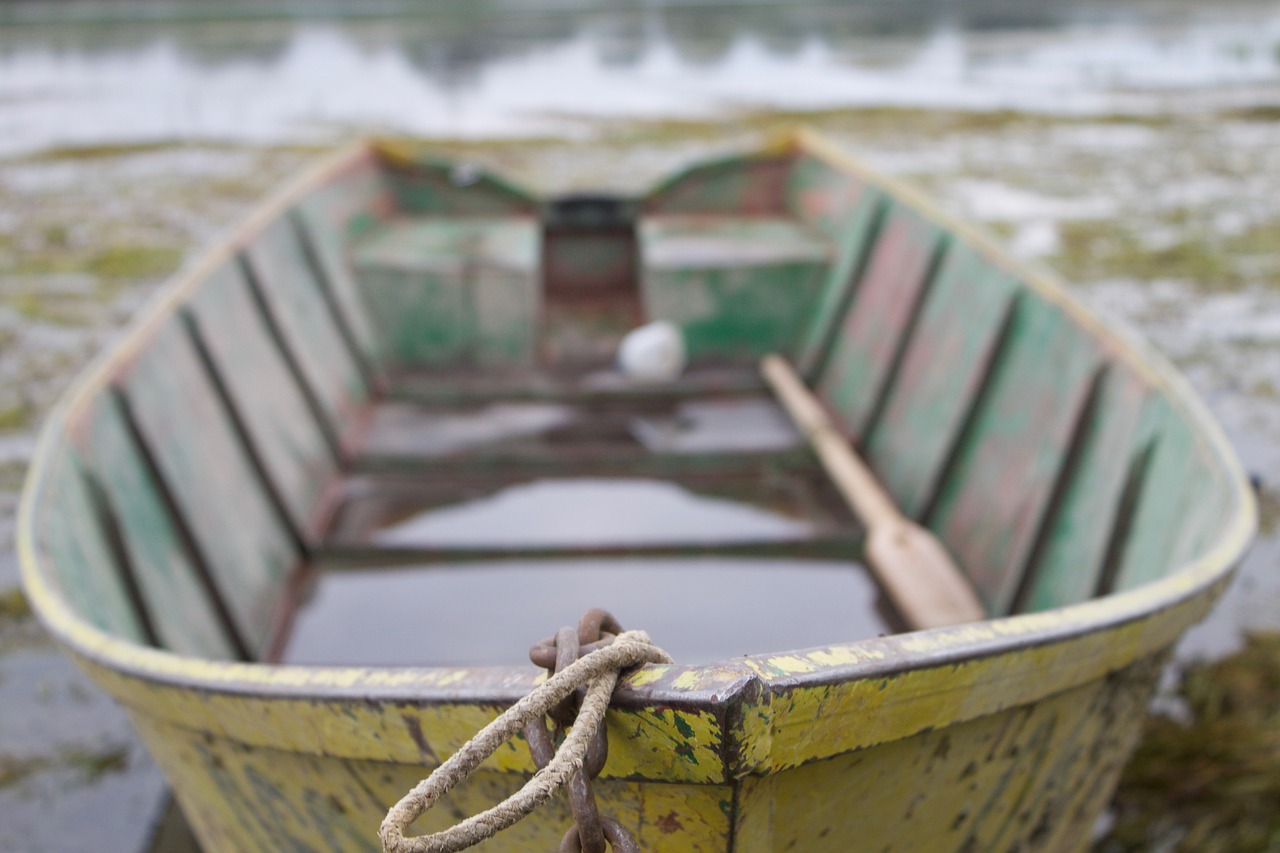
<point>385,417</point>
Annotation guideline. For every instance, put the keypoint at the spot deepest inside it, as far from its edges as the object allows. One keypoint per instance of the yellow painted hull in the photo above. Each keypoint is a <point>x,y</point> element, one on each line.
<point>1006,734</point>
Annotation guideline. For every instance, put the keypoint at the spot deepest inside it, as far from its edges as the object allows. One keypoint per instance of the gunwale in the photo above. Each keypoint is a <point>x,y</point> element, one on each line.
<point>1028,656</point>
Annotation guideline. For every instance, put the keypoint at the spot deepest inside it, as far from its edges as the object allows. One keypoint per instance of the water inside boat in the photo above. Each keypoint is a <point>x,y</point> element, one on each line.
<point>542,547</point>
<point>484,614</point>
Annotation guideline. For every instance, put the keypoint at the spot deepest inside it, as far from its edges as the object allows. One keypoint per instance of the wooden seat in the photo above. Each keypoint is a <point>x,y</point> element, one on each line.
<point>738,286</point>
<point>445,290</point>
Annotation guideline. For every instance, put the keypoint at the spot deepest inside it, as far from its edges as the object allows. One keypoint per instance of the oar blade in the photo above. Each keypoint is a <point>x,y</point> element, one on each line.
<point>920,578</point>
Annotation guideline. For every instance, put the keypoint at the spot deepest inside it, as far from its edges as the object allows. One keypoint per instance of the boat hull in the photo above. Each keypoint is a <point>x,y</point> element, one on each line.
<point>1090,500</point>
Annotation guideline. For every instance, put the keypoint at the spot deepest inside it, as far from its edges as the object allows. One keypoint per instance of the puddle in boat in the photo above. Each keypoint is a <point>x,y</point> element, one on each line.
<point>705,426</point>
<point>699,610</point>
<point>587,512</point>
<point>407,429</point>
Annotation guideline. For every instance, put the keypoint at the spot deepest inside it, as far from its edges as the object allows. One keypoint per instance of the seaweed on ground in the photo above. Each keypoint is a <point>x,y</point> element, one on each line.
<point>1210,784</point>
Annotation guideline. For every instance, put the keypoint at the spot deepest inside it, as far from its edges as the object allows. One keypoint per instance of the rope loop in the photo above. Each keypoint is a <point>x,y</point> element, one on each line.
<point>598,671</point>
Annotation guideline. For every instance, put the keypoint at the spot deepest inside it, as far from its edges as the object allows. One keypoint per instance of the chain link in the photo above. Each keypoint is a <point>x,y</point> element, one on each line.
<point>591,832</point>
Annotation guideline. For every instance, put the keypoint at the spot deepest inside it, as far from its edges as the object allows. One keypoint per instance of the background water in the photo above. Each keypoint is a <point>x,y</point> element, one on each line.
<point>1133,146</point>
<point>93,73</point>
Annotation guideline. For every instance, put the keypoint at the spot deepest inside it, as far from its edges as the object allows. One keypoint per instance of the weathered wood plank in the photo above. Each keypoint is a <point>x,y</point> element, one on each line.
<point>854,242</point>
<point>422,185</point>
<point>453,291</point>
<point>588,459</point>
<point>1067,569</point>
<point>181,611</point>
<point>70,536</point>
<point>919,577</point>
<point>328,221</point>
<point>739,287</point>
<point>1000,480</point>
<point>176,411</point>
<point>1167,510</point>
<point>823,196</point>
<point>957,334</point>
<point>306,324</point>
<point>281,426</point>
<point>347,556</point>
<point>452,388</point>
<point>878,320</point>
<point>743,186</point>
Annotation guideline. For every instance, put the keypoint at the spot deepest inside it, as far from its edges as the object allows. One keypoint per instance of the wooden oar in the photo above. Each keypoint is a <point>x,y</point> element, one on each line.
<point>913,568</point>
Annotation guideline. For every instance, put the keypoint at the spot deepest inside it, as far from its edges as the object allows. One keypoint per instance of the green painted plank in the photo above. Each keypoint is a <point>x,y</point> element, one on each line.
<point>327,221</point>
<point>307,325</point>
<point>506,308</point>
<point>823,196</point>
<point>211,478</point>
<point>739,287</point>
<point>873,329</point>
<point>85,571</point>
<point>423,318</point>
<point>1068,567</point>
<point>184,618</point>
<point>853,247</point>
<point>1210,516</point>
<point>941,372</point>
<point>451,246</point>
<point>329,253</point>
<point>744,186</point>
<point>423,186</point>
<point>436,388</point>
<point>454,291</point>
<point>280,424</point>
<point>1003,473</point>
<point>1170,503</point>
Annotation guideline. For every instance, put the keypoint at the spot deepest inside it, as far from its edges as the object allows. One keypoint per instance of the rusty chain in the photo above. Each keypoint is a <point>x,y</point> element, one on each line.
<point>586,666</point>
<point>591,831</point>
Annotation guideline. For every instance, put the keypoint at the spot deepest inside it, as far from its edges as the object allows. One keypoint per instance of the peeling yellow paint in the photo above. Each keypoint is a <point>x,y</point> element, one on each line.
<point>648,675</point>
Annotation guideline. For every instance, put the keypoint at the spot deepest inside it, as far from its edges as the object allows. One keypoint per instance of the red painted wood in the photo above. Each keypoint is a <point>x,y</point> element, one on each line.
<point>999,485</point>
<point>939,377</point>
<point>866,344</point>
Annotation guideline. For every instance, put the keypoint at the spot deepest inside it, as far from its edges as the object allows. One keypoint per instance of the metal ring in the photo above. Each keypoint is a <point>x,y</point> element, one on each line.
<point>594,623</point>
<point>597,752</point>
<point>586,815</point>
<point>566,655</point>
<point>541,747</point>
<point>615,833</point>
<point>543,654</point>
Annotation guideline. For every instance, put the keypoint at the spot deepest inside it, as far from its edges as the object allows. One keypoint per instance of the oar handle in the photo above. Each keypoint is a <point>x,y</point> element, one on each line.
<point>849,473</point>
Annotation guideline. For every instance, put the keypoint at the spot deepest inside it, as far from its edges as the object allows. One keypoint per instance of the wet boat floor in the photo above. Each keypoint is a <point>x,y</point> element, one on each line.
<point>467,532</point>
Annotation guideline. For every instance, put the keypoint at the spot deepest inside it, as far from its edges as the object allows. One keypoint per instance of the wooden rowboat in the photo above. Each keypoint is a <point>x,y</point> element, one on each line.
<point>327,372</point>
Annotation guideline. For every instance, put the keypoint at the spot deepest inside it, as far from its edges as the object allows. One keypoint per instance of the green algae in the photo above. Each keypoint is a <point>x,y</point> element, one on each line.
<point>14,606</point>
<point>113,261</point>
<point>134,261</point>
<point>1259,112</point>
<point>15,417</point>
<point>1210,784</point>
<point>75,153</point>
<point>89,765</point>
<point>1094,249</point>
<point>869,120</point>
<point>1268,511</point>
